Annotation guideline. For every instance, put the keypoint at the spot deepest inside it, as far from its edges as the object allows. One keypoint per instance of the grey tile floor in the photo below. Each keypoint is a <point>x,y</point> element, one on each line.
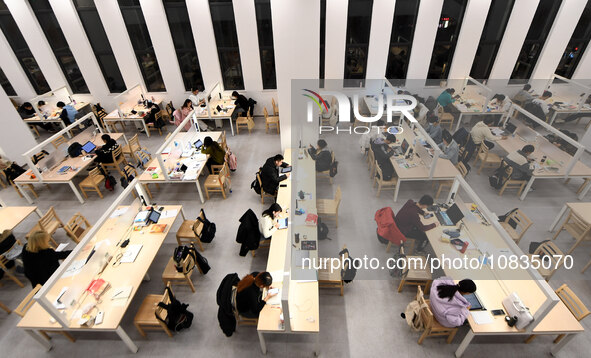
<point>364,323</point>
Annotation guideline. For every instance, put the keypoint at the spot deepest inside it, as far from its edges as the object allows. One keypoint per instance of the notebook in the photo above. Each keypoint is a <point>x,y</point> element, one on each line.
<point>131,253</point>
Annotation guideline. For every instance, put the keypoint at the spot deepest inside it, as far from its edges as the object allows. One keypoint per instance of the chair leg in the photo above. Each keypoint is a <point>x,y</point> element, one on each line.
<point>529,339</point>
<point>140,329</point>
<point>389,245</point>
<point>451,336</point>
<point>68,336</point>
<point>84,193</point>
<point>401,286</point>
<point>423,336</point>
<point>439,191</point>
<point>559,338</point>
<point>191,284</point>
<point>252,252</point>
<point>4,307</point>
<point>200,245</point>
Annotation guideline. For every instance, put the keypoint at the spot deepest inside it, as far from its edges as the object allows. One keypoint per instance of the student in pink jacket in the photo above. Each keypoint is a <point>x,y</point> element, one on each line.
<point>182,113</point>
<point>448,304</point>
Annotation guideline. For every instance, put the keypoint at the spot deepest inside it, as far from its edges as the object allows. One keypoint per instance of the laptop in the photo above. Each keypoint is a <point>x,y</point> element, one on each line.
<point>451,216</point>
<point>282,223</point>
<point>475,304</point>
<point>401,150</point>
<point>509,129</point>
<point>89,147</point>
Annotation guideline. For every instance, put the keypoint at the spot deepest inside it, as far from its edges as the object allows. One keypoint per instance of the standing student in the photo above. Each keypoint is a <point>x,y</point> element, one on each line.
<point>481,133</point>
<point>521,163</point>
<point>39,260</point>
<point>270,177</point>
<point>409,221</point>
<point>448,303</point>
<point>321,155</point>
<point>449,147</point>
<point>182,113</point>
<point>268,223</point>
<point>216,153</point>
<point>249,294</point>
<point>68,114</point>
<point>434,129</point>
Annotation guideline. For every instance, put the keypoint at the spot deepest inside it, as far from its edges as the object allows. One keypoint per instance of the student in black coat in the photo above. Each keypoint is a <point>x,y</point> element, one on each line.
<point>270,174</point>
<point>249,296</point>
<point>39,259</point>
<point>383,152</point>
<point>104,153</point>
<point>321,155</point>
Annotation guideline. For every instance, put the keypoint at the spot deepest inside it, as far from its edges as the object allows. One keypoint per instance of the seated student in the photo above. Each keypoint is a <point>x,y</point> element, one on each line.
<point>241,103</point>
<point>104,152</point>
<point>541,101</point>
<point>449,147</point>
<point>270,177</point>
<point>434,129</point>
<point>448,304</point>
<point>446,100</point>
<point>502,103</point>
<point>40,261</point>
<point>182,113</point>
<point>321,155</point>
<point>249,294</point>
<point>575,116</point>
<point>26,110</point>
<point>68,114</point>
<point>409,221</point>
<point>524,95</point>
<point>150,117</point>
<point>563,144</point>
<point>376,131</point>
<point>268,223</point>
<point>481,133</point>
<point>521,163</point>
<point>217,156</point>
<point>383,152</point>
<point>196,97</point>
<point>44,108</point>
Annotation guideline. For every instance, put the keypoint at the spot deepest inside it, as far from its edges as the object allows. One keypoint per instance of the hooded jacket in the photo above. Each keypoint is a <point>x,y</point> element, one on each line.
<point>449,313</point>
<point>481,132</point>
<point>270,176</point>
<point>226,317</point>
<point>248,232</point>
<point>387,227</point>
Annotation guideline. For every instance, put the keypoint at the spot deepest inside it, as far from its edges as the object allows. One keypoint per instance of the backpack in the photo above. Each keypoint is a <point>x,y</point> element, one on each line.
<point>180,254</point>
<point>256,186</point>
<point>201,261</point>
<point>498,178</point>
<point>396,271</point>
<point>232,161</point>
<point>144,161</point>
<point>322,230</point>
<point>511,222</point>
<point>348,274</point>
<point>412,314</point>
<point>13,172</point>
<point>207,231</point>
<point>333,169</point>
<point>75,149</point>
<point>178,317</point>
<point>126,179</point>
<point>381,239</point>
<point>110,181</point>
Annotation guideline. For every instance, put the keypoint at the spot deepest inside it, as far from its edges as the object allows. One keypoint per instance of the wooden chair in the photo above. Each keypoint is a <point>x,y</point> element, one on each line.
<point>92,182</point>
<point>59,141</point>
<point>169,110</point>
<point>385,184</point>
<point>577,227</point>
<point>190,232</point>
<point>371,163</point>
<point>49,223</point>
<point>270,121</point>
<point>486,159</point>
<point>28,187</point>
<point>432,327</point>
<point>275,108</point>
<point>333,278</point>
<point>118,159</point>
<point>147,316</point>
<point>245,122</point>
<point>512,183</point>
<point>219,183</point>
<point>34,129</point>
<point>415,275</point>
<point>3,179</point>
<point>522,224</point>
<point>326,174</point>
<point>445,118</point>
<point>574,305</point>
<point>264,194</point>
<point>152,127</point>
<point>171,275</point>
<point>132,147</point>
<point>582,187</point>
<point>110,126</point>
<point>223,142</point>
<point>446,184</point>
<point>330,207</point>
<point>77,227</point>
<point>548,251</point>
<point>5,307</point>
<point>4,261</point>
<point>263,244</point>
<point>27,303</point>
<point>241,320</point>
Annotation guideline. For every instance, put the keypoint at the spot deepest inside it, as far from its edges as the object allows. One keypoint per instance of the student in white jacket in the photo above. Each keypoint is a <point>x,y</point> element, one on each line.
<point>268,223</point>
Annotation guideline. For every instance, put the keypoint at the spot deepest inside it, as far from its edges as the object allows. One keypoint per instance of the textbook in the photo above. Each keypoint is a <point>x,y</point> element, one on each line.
<point>156,228</point>
<point>311,219</point>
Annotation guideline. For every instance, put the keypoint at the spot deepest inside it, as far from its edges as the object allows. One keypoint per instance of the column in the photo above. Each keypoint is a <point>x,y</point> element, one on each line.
<point>379,38</point>
<point>424,39</point>
<point>248,41</point>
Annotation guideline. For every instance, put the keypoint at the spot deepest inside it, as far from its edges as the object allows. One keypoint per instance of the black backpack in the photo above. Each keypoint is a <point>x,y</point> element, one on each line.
<point>13,172</point>
<point>110,181</point>
<point>75,149</point>
<point>256,186</point>
<point>181,253</point>
<point>511,222</point>
<point>349,272</point>
<point>498,178</point>
<point>208,230</point>
<point>178,317</point>
<point>322,230</point>
<point>334,169</point>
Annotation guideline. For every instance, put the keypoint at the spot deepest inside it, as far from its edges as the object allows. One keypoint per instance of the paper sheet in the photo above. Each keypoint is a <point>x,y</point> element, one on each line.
<point>169,214</point>
<point>275,300</point>
<point>74,268</point>
<point>119,212</point>
<point>61,247</point>
<point>481,317</point>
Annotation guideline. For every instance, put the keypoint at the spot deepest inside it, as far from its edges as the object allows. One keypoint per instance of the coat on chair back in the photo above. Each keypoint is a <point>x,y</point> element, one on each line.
<point>387,227</point>
<point>248,234</point>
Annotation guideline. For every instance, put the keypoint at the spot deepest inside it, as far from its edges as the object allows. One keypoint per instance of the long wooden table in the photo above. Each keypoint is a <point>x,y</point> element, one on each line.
<point>77,166</point>
<point>12,216</point>
<point>153,173</point>
<point>492,290</point>
<point>227,105</point>
<point>122,275</point>
<point>54,118</point>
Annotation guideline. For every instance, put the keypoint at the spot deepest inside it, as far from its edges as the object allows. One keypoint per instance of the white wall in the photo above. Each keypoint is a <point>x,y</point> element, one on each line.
<point>379,39</point>
<point>472,26</point>
<point>14,71</point>
<point>424,39</point>
<point>521,17</point>
<point>583,71</point>
<point>290,46</point>
<point>248,42</point>
<point>17,140</point>
<point>202,28</point>
<point>335,40</point>
<point>562,29</point>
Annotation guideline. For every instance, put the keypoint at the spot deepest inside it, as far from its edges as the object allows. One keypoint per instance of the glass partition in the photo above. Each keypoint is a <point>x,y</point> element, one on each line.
<point>130,98</point>
<point>51,99</point>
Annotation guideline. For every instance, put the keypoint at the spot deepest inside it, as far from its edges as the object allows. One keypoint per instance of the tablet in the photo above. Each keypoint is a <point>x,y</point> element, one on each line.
<point>88,147</point>
<point>475,304</point>
<point>198,144</point>
<point>154,216</point>
<point>282,223</point>
<point>286,170</point>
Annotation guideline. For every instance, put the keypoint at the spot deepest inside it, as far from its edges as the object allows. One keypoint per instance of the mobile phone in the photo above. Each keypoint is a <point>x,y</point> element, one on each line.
<point>498,312</point>
<point>283,185</point>
<point>428,215</point>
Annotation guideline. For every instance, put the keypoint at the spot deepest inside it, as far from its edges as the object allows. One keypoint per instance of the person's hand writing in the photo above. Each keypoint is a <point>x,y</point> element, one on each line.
<point>288,174</point>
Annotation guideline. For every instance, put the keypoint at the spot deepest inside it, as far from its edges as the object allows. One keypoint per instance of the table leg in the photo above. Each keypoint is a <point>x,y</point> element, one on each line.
<point>459,121</point>
<point>199,191</point>
<point>39,213</point>
<point>39,338</point>
<point>231,126</point>
<point>183,213</point>
<point>584,192</point>
<point>147,277</point>
<point>262,342</point>
<point>317,347</point>
<point>24,192</point>
<point>557,220</point>
<point>527,187</point>
<point>145,127</point>
<point>465,342</point>
<point>396,190</point>
<point>63,125</point>
<point>125,338</point>
<point>563,342</point>
<point>76,192</point>
<point>553,118</point>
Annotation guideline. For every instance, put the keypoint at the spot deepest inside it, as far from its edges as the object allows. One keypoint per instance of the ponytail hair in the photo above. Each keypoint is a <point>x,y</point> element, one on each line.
<point>449,291</point>
<point>272,208</point>
<point>262,279</point>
